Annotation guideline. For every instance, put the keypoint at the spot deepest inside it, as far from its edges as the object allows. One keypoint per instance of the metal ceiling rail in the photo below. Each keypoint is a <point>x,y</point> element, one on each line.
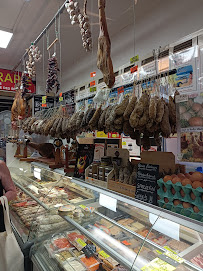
<point>60,10</point>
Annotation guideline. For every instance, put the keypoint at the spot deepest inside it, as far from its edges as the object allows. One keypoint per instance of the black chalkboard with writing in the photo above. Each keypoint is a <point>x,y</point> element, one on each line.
<point>146,183</point>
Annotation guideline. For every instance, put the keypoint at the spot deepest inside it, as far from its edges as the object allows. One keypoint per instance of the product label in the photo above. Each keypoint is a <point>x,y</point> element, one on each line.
<point>134,69</point>
<point>181,98</point>
<point>158,265</point>
<point>82,206</point>
<point>93,83</point>
<point>175,257</point>
<point>93,89</point>
<point>134,59</point>
<point>104,254</point>
<point>92,74</point>
<point>81,242</point>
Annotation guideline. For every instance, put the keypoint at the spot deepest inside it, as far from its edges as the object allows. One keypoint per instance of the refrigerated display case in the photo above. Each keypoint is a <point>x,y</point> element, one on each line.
<point>119,232</point>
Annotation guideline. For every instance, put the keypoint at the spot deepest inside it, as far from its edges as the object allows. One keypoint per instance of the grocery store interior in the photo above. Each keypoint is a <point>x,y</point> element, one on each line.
<point>101,135</point>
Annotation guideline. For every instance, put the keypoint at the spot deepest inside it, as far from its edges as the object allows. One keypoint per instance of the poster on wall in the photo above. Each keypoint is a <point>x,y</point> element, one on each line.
<point>190,128</point>
<point>85,155</point>
<point>9,79</point>
<point>185,64</point>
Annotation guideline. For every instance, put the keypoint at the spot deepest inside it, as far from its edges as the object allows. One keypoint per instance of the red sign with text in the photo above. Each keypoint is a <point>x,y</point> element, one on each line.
<point>9,79</point>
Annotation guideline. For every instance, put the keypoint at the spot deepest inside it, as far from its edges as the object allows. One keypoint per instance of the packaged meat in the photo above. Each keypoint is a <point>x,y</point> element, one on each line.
<point>66,210</point>
<point>198,260</point>
<point>77,253</point>
<point>60,242</point>
<point>63,256</point>
<point>138,225</point>
<point>106,223</point>
<point>178,246</point>
<point>77,265</point>
<point>145,233</point>
<point>91,263</point>
<point>115,230</point>
<point>108,261</point>
<point>77,239</point>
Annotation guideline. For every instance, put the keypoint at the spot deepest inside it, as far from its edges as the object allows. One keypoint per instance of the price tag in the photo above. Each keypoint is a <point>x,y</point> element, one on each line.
<point>92,74</point>
<point>81,242</point>
<point>101,134</point>
<point>60,99</point>
<point>93,89</point>
<point>120,90</point>
<point>124,143</point>
<point>181,98</point>
<point>134,69</point>
<point>126,243</point>
<point>104,254</point>
<point>173,256</point>
<point>134,59</point>
<point>93,83</point>
<point>44,101</point>
<point>158,265</point>
<point>82,206</point>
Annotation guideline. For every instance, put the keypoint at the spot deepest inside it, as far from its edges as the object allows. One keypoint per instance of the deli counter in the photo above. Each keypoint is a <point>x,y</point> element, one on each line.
<point>73,225</point>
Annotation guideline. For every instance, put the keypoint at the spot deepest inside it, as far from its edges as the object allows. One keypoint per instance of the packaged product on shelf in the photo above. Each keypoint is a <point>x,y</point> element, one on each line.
<point>91,263</point>
<point>66,210</point>
<point>77,253</point>
<point>77,239</point>
<point>198,260</point>
<point>178,246</point>
<point>75,264</point>
<point>63,256</point>
<point>60,242</point>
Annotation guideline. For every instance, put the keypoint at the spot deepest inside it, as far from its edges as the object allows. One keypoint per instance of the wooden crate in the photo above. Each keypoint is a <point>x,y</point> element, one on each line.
<point>97,182</point>
<point>126,189</point>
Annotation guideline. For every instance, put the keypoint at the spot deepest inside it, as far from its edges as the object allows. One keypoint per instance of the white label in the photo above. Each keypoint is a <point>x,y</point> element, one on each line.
<point>181,98</point>
<point>108,202</point>
<point>165,226</point>
<point>33,188</point>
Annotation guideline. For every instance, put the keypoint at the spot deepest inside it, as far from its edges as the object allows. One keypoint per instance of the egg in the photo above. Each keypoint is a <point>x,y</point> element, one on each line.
<point>192,195</point>
<point>181,176</point>
<point>173,176</point>
<point>186,205</point>
<point>197,184</point>
<point>176,180</point>
<point>176,202</point>
<point>187,175</point>
<point>182,193</point>
<point>167,178</point>
<point>165,189</point>
<point>196,209</point>
<point>173,191</point>
<point>197,176</point>
<point>186,181</point>
<point>166,200</point>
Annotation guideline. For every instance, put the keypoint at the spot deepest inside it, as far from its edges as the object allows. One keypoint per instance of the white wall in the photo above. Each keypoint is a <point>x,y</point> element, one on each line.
<point>165,23</point>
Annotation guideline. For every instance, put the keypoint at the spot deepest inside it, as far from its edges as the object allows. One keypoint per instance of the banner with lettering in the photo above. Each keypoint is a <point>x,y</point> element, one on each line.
<point>9,79</point>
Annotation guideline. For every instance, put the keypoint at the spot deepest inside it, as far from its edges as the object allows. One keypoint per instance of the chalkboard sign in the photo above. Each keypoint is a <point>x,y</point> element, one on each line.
<point>146,183</point>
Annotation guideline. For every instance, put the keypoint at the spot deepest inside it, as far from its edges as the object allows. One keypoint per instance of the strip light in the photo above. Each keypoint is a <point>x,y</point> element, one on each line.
<point>5,38</point>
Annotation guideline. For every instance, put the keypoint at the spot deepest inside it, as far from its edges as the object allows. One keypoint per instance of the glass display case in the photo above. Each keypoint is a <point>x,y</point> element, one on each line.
<point>79,226</point>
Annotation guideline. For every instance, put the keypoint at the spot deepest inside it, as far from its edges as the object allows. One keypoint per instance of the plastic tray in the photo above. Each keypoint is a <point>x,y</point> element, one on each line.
<point>189,212</point>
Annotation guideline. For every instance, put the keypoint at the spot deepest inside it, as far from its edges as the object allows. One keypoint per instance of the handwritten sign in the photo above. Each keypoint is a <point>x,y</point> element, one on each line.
<point>146,183</point>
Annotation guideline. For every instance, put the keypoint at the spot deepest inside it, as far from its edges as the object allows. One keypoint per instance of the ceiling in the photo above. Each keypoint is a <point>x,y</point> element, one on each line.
<point>27,18</point>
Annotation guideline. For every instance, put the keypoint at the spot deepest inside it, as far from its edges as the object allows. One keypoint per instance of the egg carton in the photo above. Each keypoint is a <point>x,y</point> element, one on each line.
<point>187,189</point>
<point>189,212</point>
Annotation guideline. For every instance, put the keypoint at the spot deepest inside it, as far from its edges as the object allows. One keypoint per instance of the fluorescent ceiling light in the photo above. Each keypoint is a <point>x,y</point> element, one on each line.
<point>5,38</point>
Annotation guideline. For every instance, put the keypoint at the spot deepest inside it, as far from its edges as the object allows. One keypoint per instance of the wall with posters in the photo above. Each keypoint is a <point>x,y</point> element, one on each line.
<point>164,24</point>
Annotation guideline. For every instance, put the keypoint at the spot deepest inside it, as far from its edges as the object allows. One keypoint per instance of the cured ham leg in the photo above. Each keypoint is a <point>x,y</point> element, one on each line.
<point>104,62</point>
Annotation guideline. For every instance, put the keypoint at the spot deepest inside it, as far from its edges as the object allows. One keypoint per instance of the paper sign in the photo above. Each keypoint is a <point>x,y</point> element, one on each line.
<point>93,89</point>
<point>93,83</point>
<point>104,254</point>
<point>81,242</point>
<point>108,202</point>
<point>101,134</point>
<point>44,99</point>
<point>174,257</point>
<point>134,59</point>
<point>60,99</point>
<point>165,226</point>
<point>158,265</point>
<point>92,74</point>
<point>181,98</point>
<point>134,69</point>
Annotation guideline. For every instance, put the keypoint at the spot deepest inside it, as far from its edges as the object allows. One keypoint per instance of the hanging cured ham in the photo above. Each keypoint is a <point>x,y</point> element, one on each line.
<point>104,62</point>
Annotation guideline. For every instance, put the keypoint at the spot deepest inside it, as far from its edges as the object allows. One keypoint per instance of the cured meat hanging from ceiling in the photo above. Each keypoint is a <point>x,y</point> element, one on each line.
<point>52,78</point>
<point>104,62</point>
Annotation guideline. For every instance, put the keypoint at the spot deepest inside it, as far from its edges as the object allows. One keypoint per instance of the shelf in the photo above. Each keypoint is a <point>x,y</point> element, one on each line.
<point>163,213</point>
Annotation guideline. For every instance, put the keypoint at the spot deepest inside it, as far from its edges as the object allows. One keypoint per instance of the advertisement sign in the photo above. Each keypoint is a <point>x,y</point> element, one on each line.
<point>9,79</point>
